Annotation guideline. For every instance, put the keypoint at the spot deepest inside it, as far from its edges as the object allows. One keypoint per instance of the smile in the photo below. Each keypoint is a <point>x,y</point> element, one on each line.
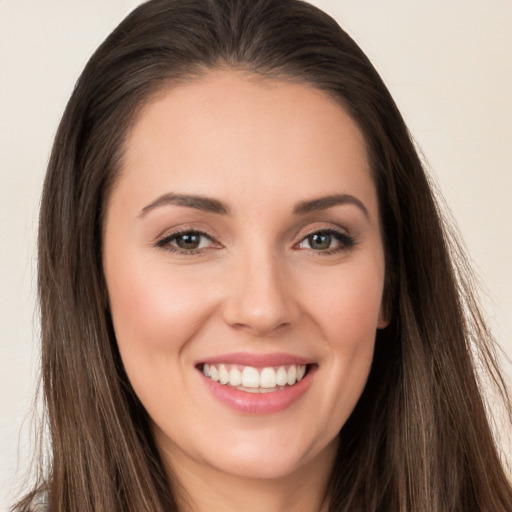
<point>255,380</point>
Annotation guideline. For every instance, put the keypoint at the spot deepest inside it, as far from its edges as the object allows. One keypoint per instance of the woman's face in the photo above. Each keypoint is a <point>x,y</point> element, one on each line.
<point>244,263</point>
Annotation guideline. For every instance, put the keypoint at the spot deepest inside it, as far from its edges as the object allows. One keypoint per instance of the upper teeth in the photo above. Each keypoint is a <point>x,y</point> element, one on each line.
<point>268,378</point>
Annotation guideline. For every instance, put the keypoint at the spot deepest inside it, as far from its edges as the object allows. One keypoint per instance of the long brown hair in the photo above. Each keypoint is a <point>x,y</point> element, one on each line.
<point>419,438</point>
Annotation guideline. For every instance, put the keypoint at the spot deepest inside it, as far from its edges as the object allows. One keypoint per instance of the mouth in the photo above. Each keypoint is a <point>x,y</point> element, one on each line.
<point>257,384</point>
<point>251,379</point>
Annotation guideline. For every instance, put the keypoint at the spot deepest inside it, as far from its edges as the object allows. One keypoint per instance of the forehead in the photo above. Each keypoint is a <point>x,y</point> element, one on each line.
<point>228,134</point>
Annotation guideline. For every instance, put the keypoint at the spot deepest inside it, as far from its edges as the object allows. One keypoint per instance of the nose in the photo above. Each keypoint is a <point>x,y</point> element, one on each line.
<point>260,297</point>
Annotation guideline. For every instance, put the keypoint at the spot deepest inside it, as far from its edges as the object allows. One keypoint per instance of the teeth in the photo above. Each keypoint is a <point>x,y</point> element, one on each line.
<point>255,380</point>
<point>235,377</point>
<point>250,377</point>
<point>223,374</point>
<point>292,375</point>
<point>268,378</point>
<point>214,374</point>
<point>281,376</point>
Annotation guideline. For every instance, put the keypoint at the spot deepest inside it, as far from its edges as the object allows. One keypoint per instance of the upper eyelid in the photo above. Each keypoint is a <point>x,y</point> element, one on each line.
<point>177,234</point>
<point>347,239</point>
<point>323,228</point>
<point>165,243</point>
<point>330,231</point>
<point>327,227</point>
<point>169,235</point>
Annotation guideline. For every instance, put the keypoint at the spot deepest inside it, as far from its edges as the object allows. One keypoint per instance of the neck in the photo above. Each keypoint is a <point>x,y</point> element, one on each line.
<point>202,488</point>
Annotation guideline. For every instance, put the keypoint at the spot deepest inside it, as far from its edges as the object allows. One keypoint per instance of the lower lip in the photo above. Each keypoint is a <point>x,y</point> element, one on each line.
<point>259,403</point>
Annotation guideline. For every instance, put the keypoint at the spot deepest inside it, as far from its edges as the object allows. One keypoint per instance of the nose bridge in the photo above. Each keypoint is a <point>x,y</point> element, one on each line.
<point>260,298</point>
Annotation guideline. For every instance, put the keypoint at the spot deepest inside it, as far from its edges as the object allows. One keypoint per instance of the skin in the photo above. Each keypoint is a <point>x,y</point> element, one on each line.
<point>255,284</point>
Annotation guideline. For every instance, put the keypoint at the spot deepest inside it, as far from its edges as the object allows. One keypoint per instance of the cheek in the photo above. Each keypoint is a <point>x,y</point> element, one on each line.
<point>155,313</point>
<point>347,312</point>
<point>347,303</point>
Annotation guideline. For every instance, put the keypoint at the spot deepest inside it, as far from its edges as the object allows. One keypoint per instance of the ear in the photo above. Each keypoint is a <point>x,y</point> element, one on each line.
<point>386,310</point>
<point>384,318</point>
<point>387,305</point>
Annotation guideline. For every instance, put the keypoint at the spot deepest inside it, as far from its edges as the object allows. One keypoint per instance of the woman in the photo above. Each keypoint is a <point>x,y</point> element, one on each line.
<point>248,297</point>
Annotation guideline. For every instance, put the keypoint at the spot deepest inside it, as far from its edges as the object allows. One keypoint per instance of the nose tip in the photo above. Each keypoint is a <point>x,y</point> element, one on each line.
<point>260,302</point>
<point>255,320</point>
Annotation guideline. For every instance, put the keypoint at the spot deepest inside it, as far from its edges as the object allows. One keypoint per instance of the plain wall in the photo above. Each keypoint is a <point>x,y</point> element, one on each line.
<point>447,63</point>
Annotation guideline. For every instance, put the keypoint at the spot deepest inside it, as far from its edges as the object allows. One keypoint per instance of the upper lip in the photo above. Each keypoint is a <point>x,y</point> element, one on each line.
<point>256,360</point>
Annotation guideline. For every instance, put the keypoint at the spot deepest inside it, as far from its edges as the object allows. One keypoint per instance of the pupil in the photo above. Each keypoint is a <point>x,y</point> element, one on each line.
<point>188,241</point>
<point>320,241</point>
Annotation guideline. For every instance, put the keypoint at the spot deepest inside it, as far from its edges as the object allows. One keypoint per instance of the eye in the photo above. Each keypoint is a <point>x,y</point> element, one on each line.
<point>186,241</point>
<point>326,240</point>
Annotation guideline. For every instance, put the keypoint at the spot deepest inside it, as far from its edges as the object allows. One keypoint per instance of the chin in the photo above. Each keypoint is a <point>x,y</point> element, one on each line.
<point>267,460</point>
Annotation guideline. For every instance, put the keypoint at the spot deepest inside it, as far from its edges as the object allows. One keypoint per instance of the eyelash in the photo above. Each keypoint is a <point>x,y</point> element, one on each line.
<point>346,242</point>
<point>165,242</point>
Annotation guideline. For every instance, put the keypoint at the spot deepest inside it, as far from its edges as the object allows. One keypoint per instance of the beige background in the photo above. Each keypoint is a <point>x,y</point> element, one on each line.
<point>448,64</point>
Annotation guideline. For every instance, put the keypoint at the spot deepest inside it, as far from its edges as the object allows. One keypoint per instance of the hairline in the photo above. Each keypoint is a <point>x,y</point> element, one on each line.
<point>197,72</point>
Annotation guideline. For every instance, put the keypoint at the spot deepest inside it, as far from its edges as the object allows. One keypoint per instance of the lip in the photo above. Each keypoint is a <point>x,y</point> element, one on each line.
<point>258,403</point>
<point>256,360</point>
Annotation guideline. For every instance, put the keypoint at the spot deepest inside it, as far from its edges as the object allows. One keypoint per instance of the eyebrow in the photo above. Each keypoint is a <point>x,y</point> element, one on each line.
<point>209,204</point>
<point>206,204</point>
<point>325,202</point>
